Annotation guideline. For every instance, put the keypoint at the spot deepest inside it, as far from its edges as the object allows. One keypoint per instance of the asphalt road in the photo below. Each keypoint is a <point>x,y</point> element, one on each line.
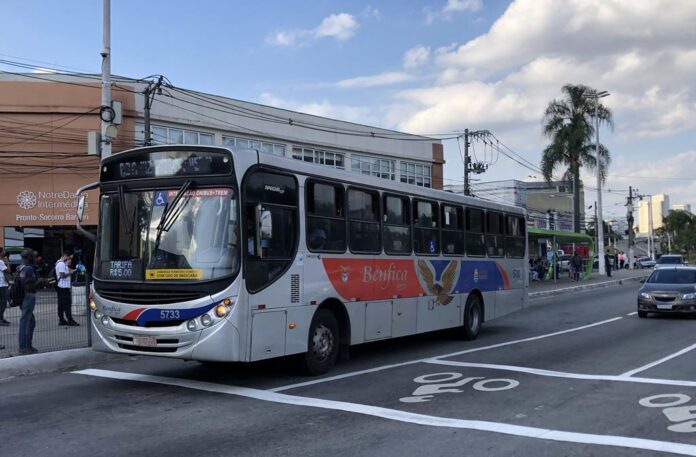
<point>573,375</point>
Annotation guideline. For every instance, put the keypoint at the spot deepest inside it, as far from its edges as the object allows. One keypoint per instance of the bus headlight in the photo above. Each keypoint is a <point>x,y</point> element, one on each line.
<point>191,325</point>
<point>105,320</point>
<point>221,310</point>
<point>206,320</point>
<point>98,315</point>
<point>92,305</point>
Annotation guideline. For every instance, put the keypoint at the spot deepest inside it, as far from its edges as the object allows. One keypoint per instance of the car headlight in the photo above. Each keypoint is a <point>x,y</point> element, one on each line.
<point>645,295</point>
<point>689,296</point>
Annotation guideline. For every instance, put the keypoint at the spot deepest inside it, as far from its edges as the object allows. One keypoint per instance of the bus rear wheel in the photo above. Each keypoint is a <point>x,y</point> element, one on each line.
<point>323,343</point>
<point>473,316</point>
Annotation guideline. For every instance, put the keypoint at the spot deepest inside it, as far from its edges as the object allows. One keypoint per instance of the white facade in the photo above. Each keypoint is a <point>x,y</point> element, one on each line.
<point>660,208</point>
<point>354,147</point>
<point>682,207</point>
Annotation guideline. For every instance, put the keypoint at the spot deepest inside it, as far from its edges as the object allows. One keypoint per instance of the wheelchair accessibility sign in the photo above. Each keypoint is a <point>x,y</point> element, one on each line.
<point>160,198</point>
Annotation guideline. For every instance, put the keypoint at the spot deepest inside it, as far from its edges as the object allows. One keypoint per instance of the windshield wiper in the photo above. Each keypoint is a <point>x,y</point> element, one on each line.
<point>128,223</point>
<point>170,213</point>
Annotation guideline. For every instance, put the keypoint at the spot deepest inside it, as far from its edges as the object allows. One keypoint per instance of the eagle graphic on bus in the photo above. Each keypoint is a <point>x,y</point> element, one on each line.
<point>441,289</point>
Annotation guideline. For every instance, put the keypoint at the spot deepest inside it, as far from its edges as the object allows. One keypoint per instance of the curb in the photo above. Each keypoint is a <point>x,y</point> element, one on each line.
<point>49,362</point>
<point>574,289</point>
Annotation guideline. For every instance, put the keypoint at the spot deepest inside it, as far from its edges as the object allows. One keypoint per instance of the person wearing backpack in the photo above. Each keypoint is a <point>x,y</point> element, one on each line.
<point>27,282</point>
<point>63,275</point>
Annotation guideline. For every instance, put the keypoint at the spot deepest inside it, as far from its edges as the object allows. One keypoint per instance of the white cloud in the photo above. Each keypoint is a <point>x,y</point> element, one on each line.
<point>324,108</point>
<point>41,70</point>
<point>341,26</point>
<point>452,6</point>
<point>371,12</point>
<point>416,57</point>
<point>668,175</point>
<point>382,79</point>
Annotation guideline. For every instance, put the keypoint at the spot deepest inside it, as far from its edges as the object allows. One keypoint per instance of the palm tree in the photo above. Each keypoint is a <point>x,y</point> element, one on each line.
<point>569,124</point>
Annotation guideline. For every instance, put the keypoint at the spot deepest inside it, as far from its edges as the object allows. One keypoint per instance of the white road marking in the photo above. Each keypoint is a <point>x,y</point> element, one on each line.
<point>632,314</point>
<point>452,354</point>
<point>658,362</point>
<point>405,416</point>
<point>562,374</point>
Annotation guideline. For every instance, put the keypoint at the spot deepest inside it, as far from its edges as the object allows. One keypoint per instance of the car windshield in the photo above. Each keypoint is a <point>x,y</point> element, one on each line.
<point>151,236</point>
<point>673,276</point>
<point>670,260</point>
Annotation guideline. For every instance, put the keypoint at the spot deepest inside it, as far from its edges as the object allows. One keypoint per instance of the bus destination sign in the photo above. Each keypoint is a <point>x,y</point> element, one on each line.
<point>167,163</point>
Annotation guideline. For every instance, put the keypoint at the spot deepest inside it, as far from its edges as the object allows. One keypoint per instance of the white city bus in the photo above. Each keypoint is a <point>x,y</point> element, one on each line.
<point>212,254</point>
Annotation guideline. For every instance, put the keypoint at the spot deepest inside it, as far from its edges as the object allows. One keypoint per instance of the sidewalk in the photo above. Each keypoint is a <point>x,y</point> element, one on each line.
<point>564,285</point>
<point>48,336</point>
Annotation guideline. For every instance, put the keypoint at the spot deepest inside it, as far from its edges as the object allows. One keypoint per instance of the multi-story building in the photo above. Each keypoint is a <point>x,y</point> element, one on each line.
<point>549,205</point>
<point>45,120</point>
<point>660,208</point>
<point>682,207</point>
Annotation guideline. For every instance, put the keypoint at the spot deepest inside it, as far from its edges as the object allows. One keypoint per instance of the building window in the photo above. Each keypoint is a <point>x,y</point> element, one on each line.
<point>246,143</point>
<point>167,135</point>
<point>380,168</point>
<point>320,157</point>
<point>416,173</point>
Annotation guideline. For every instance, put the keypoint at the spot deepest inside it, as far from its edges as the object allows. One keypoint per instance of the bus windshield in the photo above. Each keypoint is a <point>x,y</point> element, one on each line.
<point>173,234</point>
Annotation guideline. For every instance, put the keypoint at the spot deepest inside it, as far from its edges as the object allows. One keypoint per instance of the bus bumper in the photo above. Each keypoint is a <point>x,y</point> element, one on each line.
<point>220,342</point>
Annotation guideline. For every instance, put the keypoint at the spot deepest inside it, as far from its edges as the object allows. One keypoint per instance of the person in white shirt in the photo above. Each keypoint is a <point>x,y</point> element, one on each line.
<point>4,284</point>
<point>63,273</point>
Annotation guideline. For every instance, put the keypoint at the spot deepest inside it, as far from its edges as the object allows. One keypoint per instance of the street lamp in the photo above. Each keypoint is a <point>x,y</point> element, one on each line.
<point>600,225</point>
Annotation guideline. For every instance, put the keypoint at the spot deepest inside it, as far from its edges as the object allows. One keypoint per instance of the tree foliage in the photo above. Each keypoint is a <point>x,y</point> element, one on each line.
<point>569,124</point>
<point>680,227</point>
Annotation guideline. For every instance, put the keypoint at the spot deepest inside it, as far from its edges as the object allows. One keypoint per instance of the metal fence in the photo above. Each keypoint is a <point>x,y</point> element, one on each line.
<point>49,336</point>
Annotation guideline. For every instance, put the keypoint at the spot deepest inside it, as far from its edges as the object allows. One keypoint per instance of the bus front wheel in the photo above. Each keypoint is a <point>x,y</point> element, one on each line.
<point>473,315</point>
<point>323,344</point>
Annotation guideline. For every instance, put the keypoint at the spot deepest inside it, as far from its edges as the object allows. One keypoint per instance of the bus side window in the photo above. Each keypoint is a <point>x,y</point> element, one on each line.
<point>397,225</point>
<point>494,234</point>
<point>326,217</point>
<point>515,239</point>
<point>426,233</point>
<point>363,213</point>
<point>475,245</point>
<point>452,230</point>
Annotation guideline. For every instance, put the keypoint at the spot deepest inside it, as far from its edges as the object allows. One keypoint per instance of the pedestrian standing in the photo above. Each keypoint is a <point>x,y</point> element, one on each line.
<point>607,263</point>
<point>63,275</point>
<point>29,283</point>
<point>576,263</point>
<point>622,259</point>
<point>4,284</point>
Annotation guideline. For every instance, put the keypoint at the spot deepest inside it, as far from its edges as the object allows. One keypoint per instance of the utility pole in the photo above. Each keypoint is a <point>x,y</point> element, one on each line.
<point>596,229</point>
<point>651,240</point>
<point>629,219</point>
<point>149,93</point>
<point>106,79</point>
<point>467,189</point>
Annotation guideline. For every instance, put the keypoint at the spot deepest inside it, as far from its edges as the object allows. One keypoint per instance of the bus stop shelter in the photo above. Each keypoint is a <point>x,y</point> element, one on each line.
<point>556,238</point>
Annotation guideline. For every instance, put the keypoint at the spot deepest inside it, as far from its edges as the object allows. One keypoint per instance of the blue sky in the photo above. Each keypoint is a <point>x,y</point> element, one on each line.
<point>418,66</point>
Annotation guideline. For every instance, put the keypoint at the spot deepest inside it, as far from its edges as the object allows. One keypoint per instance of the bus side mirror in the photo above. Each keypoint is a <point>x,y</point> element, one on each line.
<point>81,207</point>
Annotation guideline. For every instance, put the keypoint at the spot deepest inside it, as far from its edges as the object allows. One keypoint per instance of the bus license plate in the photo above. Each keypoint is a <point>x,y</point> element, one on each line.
<point>664,306</point>
<point>147,341</point>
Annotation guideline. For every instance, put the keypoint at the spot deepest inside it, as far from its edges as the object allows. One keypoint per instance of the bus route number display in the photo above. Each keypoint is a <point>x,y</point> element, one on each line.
<point>168,163</point>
